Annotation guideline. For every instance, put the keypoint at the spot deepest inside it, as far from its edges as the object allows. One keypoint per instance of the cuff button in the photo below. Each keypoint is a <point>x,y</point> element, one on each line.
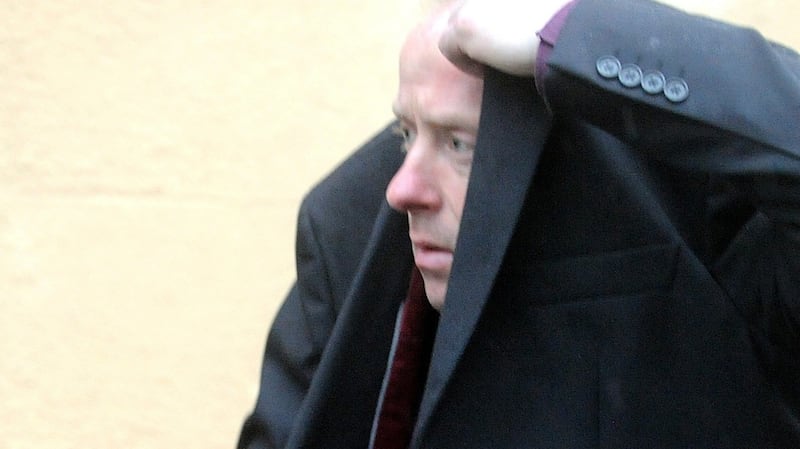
<point>676,90</point>
<point>608,66</point>
<point>653,82</point>
<point>630,75</point>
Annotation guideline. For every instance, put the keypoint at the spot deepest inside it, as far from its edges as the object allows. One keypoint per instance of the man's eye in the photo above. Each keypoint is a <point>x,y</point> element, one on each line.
<point>461,147</point>
<point>406,134</point>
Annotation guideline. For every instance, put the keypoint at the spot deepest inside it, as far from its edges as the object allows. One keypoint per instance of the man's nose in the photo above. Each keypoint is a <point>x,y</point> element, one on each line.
<point>413,187</point>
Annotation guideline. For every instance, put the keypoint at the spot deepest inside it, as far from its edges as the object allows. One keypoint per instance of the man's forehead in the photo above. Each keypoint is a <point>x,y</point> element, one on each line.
<point>432,89</point>
<point>429,30</point>
<point>421,60</point>
<point>440,111</point>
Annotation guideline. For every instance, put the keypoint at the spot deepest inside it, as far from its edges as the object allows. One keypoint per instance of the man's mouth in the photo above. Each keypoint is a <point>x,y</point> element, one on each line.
<point>431,257</point>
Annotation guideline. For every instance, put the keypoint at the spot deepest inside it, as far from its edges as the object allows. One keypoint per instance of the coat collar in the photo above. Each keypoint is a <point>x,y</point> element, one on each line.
<point>337,410</point>
<point>513,128</point>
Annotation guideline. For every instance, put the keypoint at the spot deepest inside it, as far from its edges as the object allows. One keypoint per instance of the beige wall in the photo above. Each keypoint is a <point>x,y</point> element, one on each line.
<point>152,156</point>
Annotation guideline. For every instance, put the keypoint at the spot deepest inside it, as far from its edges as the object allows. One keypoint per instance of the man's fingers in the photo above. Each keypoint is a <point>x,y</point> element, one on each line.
<point>450,46</point>
<point>497,33</point>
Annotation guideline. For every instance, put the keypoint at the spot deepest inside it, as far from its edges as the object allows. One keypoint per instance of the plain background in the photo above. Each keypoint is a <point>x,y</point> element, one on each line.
<point>152,158</point>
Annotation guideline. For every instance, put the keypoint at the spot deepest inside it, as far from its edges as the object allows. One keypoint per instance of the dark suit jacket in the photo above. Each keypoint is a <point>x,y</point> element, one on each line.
<point>627,272</point>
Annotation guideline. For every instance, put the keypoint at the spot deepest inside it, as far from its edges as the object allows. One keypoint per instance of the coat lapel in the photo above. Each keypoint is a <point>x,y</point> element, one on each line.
<point>340,404</point>
<point>513,128</point>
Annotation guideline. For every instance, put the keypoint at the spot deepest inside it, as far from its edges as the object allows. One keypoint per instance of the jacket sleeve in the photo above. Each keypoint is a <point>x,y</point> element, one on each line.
<point>705,97</point>
<point>333,227</point>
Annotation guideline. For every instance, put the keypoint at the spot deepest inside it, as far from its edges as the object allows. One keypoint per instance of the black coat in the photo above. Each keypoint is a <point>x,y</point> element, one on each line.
<point>627,272</point>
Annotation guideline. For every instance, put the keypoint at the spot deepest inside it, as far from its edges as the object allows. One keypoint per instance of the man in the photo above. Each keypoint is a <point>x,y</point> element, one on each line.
<point>333,227</point>
<point>626,266</point>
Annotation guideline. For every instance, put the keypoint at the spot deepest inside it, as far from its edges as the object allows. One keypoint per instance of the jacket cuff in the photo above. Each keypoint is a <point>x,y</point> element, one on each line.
<point>548,37</point>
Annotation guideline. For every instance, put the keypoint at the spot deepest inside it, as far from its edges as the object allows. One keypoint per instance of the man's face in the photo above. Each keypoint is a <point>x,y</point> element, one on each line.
<point>438,108</point>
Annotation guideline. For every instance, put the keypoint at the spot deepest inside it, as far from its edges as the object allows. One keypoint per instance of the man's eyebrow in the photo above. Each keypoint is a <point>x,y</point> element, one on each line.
<point>454,120</point>
<point>448,120</point>
<point>451,119</point>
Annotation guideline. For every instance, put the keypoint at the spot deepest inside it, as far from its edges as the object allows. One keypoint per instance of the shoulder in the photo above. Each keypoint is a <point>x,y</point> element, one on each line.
<point>337,216</point>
